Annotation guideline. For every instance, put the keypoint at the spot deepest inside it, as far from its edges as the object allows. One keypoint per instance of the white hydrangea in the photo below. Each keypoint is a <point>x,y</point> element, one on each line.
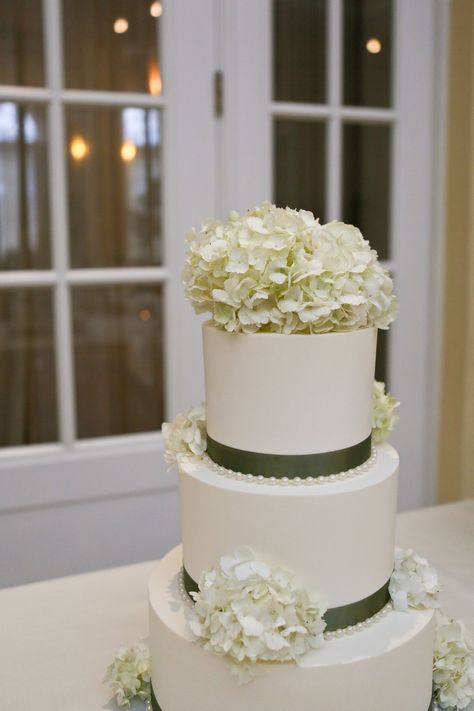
<point>384,417</point>
<point>129,674</point>
<point>246,612</point>
<point>414,583</point>
<point>279,270</point>
<point>453,664</point>
<point>185,436</point>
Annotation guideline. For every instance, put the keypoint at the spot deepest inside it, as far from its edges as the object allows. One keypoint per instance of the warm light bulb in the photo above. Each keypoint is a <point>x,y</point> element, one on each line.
<point>128,151</point>
<point>120,25</point>
<point>144,314</point>
<point>156,9</point>
<point>154,79</point>
<point>373,45</point>
<point>79,149</point>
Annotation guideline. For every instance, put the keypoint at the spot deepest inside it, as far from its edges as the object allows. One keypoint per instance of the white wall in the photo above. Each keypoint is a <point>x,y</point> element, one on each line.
<point>52,541</point>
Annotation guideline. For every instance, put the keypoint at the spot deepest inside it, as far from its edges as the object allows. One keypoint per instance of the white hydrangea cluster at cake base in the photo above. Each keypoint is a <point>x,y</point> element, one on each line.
<point>249,612</point>
<point>453,664</point>
<point>414,583</point>
<point>279,270</point>
<point>129,674</point>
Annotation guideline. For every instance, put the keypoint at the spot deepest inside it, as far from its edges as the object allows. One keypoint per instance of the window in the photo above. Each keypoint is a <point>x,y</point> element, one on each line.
<point>332,134</point>
<point>81,220</point>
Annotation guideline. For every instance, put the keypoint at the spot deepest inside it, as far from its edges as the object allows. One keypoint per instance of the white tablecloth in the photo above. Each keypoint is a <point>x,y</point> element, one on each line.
<point>57,637</point>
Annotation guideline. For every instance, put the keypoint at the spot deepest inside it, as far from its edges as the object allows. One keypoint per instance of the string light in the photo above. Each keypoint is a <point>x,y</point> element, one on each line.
<point>128,151</point>
<point>156,9</point>
<point>79,149</point>
<point>154,79</point>
<point>373,45</point>
<point>120,25</point>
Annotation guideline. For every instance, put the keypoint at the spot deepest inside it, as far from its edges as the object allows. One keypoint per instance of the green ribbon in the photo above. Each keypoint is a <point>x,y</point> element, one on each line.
<point>154,703</point>
<point>156,706</point>
<point>336,618</point>
<point>289,465</point>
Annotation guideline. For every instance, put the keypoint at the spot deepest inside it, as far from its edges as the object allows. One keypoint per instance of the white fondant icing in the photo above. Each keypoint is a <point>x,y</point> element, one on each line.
<point>387,666</point>
<point>295,394</point>
<point>336,538</point>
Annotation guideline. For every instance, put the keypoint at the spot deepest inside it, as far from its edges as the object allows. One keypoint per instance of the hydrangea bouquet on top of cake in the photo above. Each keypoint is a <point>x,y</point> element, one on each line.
<point>279,270</point>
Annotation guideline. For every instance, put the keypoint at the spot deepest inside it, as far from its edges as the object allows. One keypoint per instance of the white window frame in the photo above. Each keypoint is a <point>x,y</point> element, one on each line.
<point>420,30</point>
<point>71,469</point>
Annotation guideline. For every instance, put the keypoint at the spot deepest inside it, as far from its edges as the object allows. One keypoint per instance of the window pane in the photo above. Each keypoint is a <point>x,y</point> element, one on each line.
<point>118,359</point>
<point>112,45</point>
<point>299,50</point>
<point>114,163</point>
<point>21,43</point>
<point>24,220</point>
<point>299,165</point>
<point>367,52</point>
<point>366,184</point>
<point>28,413</point>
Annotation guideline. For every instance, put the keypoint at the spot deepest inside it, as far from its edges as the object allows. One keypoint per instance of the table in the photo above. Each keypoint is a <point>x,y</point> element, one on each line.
<point>57,637</point>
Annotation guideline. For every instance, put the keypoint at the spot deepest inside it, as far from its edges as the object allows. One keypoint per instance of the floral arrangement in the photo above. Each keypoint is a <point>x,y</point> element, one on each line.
<point>185,436</point>
<point>246,612</point>
<point>453,664</point>
<point>279,270</point>
<point>414,583</point>
<point>384,416</point>
<point>129,674</point>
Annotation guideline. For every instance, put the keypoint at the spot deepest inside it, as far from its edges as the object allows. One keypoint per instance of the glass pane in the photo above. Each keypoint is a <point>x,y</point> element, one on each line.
<point>24,220</point>
<point>381,364</point>
<point>114,164</point>
<point>367,52</point>
<point>118,359</point>
<point>299,165</point>
<point>112,45</point>
<point>28,412</point>
<point>366,183</point>
<point>21,43</point>
<point>299,50</point>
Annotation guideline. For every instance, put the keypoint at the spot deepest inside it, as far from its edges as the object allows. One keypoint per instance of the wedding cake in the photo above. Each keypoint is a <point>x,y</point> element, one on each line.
<point>287,591</point>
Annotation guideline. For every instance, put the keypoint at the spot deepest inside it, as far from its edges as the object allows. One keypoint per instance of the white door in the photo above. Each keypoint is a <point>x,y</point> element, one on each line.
<point>107,157</point>
<point>329,107</point>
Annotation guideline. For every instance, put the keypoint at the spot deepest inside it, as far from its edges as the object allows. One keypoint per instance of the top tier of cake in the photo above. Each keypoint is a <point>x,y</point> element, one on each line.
<point>278,394</point>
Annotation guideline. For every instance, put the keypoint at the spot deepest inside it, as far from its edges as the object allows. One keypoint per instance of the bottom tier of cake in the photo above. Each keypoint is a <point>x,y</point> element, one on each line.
<point>385,666</point>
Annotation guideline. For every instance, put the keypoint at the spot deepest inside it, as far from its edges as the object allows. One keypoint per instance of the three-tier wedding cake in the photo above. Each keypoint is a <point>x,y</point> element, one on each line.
<point>283,594</point>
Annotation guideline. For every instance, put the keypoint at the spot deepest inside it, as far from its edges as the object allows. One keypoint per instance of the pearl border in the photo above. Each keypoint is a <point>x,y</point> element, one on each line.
<point>291,481</point>
<point>336,634</point>
<point>360,626</point>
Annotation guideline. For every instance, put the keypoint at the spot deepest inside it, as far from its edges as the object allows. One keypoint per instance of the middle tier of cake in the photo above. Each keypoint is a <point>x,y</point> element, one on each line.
<point>336,538</point>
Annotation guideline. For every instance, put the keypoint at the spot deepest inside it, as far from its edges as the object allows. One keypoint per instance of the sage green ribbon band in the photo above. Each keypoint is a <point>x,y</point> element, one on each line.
<point>289,465</point>
<point>154,703</point>
<point>336,618</point>
<point>156,706</point>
